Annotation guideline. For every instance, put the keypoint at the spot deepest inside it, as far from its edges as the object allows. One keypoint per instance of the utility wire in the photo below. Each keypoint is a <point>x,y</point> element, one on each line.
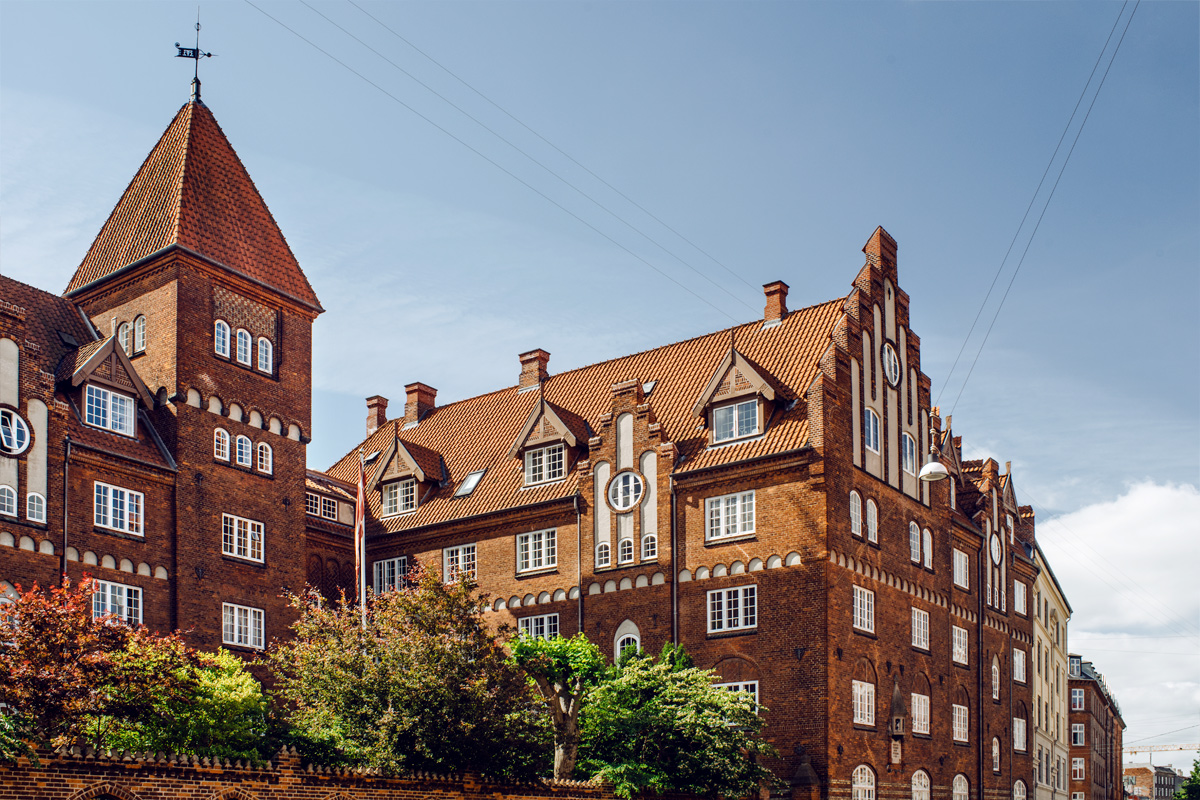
<point>506,171</point>
<point>565,154</point>
<point>1157,735</point>
<point>1061,170</point>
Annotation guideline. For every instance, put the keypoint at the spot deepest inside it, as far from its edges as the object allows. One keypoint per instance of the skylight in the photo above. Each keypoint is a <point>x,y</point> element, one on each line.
<point>469,483</point>
<point>648,386</point>
<point>371,457</point>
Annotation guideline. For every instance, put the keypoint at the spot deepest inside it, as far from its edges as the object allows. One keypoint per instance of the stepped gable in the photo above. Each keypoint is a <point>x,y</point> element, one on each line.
<point>478,433</point>
<point>193,192</point>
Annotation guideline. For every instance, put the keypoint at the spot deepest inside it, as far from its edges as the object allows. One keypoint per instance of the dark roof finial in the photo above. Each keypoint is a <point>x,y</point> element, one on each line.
<point>194,53</point>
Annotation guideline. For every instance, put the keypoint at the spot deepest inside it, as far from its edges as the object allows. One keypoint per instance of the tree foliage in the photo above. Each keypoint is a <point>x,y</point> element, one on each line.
<point>660,725</point>
<point>1190,789</point>
<point>424,686</point>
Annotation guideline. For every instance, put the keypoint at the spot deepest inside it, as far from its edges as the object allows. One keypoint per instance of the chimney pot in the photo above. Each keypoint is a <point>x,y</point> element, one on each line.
<point>533,368</point>
<point>776,293</point>
<point>419,399</point>
<point>376,413</point>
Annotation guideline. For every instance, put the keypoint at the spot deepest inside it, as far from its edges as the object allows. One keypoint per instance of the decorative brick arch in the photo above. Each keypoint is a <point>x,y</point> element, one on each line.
<point>339,796</point>
<point>232,793</point>
<point>104,791</point>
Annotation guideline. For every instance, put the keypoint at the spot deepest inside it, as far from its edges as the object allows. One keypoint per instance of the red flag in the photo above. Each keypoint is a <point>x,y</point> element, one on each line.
<point>360,538</point>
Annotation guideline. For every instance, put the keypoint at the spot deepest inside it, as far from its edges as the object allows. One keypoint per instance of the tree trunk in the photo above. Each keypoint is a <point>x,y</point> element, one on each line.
<point>566,747</point>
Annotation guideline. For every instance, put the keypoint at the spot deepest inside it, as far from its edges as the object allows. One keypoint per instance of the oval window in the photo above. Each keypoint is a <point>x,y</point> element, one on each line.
<point>625,491</point>
<point>14,433</point>
<point>891,364</point>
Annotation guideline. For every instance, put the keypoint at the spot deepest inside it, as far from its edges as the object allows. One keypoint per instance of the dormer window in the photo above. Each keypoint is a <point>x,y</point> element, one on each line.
<point>221,338</point>
<point>243,346</point>
<point>329,508</point>
<point>735,421</point>
<point>399,497</point>
<point>545,464</point>
<point>109,410</point>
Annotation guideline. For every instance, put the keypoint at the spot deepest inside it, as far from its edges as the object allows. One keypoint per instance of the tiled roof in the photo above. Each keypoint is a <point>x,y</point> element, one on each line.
<point>45,315</point>
<point>75,359</point>
<point>477,433</point>
<point>193,191</point>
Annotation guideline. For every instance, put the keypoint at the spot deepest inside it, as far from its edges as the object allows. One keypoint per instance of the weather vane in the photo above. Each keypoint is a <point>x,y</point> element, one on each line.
<point>194,53</point>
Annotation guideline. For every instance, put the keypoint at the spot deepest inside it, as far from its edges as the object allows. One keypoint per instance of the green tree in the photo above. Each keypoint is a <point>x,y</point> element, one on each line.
<point>1190,790</point>
<point>423,686</point>
<point>660,725</point>
<point>564,670</point>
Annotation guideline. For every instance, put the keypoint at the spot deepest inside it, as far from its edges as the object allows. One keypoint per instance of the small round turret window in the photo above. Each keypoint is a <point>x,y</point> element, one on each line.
<point>14,433</point>
<point>891,364</point>
<point>625,491</point>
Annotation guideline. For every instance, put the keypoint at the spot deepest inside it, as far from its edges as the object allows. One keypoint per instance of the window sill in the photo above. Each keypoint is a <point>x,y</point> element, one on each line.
<point>536,573</point>
<point>862,726</point>
<point>132,537</point>
<point>921,735</point>
<point>730,634</point>
<point>247,562</point>
<point>619,567</point>
<point>737,440</point>
<point>957,743</point>
<point>244,648</point>
<point>550,482</point>
<point>925,651</point>
<point>740,537</point>
<point>865,634</point>
<point>381,516</point>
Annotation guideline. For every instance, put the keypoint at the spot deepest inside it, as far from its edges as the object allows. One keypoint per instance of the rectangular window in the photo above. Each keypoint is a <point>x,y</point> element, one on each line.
<point>459,560</point>
<point>119,509</point>
<point>864,702</point>
<point>920,713</point>
<point>537,550</point>
<point>1019,734</point>
<point>749,687</point>
<point>399,497</point>
<point>124,602</point>
<point>312,504</point>
<point>109,410</point>
<point>1019,594</point>
<point>242,538</point>
<point>543,464</point>
<point>1019,666</point>
<point>730,515</point>
<point>329,508</point>
<point>733,609</point>
<point>1077,795</point>
<point>959,716</point>
<point>543,626</point>
<point>1077,699</point>
<point>1074,666</point>
<point>242,625</point>
<point>920,629</point>
<point>1077,769</point>
<point>1077,737</point>
<point>871,430</point>
<point>735,421</point>
<point>958,640</point>
<point>961,570</point>
<point>864,609</point>
<point>389,574</point>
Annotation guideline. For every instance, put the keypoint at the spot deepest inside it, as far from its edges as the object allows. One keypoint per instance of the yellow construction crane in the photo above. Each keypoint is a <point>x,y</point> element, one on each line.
<point>1159,748</point>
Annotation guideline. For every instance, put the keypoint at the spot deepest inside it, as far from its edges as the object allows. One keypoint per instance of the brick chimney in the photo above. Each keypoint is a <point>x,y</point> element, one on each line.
<point>776,293</point>
<point>376,413</point>
<point>419,399</point>
<point>533,368</point>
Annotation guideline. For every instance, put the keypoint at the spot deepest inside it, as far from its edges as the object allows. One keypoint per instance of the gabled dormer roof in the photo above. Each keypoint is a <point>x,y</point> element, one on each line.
<point>549,423</point>
<point>402,459</point>
<point>107,361</point>
<point>736,376</point>
<point>193,192</point>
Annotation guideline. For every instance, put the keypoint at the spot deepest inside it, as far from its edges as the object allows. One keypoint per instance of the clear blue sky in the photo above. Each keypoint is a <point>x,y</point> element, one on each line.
<point>775,136</point>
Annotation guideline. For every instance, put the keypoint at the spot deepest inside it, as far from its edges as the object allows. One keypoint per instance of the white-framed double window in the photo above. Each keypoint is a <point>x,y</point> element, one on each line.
<point>960,789</point>
<point>749,687</point>
<point>733,609</point>
<point>1077,771</point>
<point>123,337</point>
<point>139,334</point>
<point>241,538</point>
<point>625,551</point>
<point>119,509</point>
<point>545,464</point>
<point>1077,699</point>
<point>242,450</point>
<point>735,421</point>
<point>927,539</point>
<point>221,444</point>
<point>908,454</point>
<point>389,573</point>
<point>35,507</point>
<point>109,410</point>
<point>243,346</point>
<point>1019,792</point>
<point>221,338</point>
<point>855,514</point>
<point>863,697</point>
<point>1019,666</point>
<point>958,716</point>
<point>537,550</point>
<point>266,458</point>
<point>123,602</point>
<point>1078,739</point>
<point>242,625</point>
<point>920,628</point>
<point>958,644</point>
<point>329,508</point>
<point>730,515</point>
<point>1019,740</point>
<point>862,783</point>
<point>8,501</point>
<point>914,543</point>
<point>603,555</point>
<point>920,713</point>
<point>871,430</point>
<point>399,497</point>
<point>266,355</point>
<point>312,504</point>
<point>1019,594</point>
<point>542,626</point>
<point>864,609</point>
<point>962,572</point>
<point>459,560</point>
<point>920,785</point>
<point>650,547</point>
<point>872,522</point>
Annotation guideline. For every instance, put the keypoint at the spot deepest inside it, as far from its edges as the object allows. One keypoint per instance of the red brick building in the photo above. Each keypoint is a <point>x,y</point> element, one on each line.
<point>751,494</point>
<point>1096,734</point>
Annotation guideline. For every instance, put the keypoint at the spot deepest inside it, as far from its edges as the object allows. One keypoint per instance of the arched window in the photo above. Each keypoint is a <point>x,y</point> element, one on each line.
<point>871,430</point>
<point>626,643</point>
<point>35,507</point>
<point>927,537</point>
<point>627,636</point>
<point>221,338</point>
<point>1019,790</point>
<point>960,790</point>
<point>266,359</point>
<point>920,785</point>
<point>914,542</point>
<point>649,547</point>
<point>995,678</point>
<point>265,458</point>
<point>8,501</point>
<point>855,514</point>
<point>995,754</point>
<point>908,454</point>
<point>603,555</point>
<point>625,551</point>
<point>221,444</point>
<point>139,334</point>
<point>243,346</point>
<point>872,522</point>
<point>14,433</point>
<point>862,783</point>
<point>243,451</point>
<point>123,337</point>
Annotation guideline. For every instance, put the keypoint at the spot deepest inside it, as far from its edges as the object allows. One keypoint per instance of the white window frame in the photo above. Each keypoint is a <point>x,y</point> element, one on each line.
<point>908,454</point>
<point>995,754</point>
<point>871,430</point>
<point>927,547</point>
<point>920,785</point>
<point>1019,661</point>
<point>650,547</point>
<point>123,337</point>
<point>243,450</point>
<point>118,509</point>
<point>729,515</point>
<point>389,573</point>
<point>220,444</point>
<point>864,609</point>
<point>537,550</point>
<point>266,355</point>
<point>872,522</point>
<point>862,783</point>
<point>1077,701</point>
<point>962,569</point>
<point>120,599</point>
<point>545,464</point>
<point>243,353</point>
<point>1078,772</point>
<point>920,628</point>
<point>734,609</point>
<point>920,713</point>
<point>221,338</point>
<point>329,508</point>
<point>1078,734</point>
<point>749,687</point>
<point>35,507</point>
<point>1020,740</point>
<point>101,410</point>
<point>460,558</point>
<point>540,626</point>
<point>856,524</point>
<point>914,542</point>
<point>242,626</point>
<point>242,538</point>
<point>8,501</point>
<point>1019,595</point>
<point>961,722</point>
<point>862,695</point>
<point>603,555</point>
<point>312,504</point>
<point>266,458</point>
<point>625,551</point>
<point>1019,791</point>
<point>14,433</point>
<point>399,497</point>
<point>139,333</point>
<point>738,425</point>
<point>959,645</point>
<point>960,788</point>
<point>629,640</point>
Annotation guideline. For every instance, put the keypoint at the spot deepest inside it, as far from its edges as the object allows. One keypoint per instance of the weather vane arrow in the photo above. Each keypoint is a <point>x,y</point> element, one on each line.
<point>194,53</point>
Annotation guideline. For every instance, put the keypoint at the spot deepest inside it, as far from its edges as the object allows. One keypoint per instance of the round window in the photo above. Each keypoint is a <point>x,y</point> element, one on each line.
<point>14,433</point>
<point>891,364</point>
<point>625,491</point>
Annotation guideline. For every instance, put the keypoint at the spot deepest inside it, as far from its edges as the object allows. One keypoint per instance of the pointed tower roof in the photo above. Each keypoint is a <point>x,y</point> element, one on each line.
<point>194,193</point>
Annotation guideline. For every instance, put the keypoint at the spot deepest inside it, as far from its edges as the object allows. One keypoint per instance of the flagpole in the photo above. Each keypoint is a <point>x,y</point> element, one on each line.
<point>360,540</point>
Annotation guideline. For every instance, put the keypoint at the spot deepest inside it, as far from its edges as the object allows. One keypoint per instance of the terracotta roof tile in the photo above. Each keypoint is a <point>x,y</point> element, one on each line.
<point>477,433</point>
<point>193,190</point>
<point>45,316</point>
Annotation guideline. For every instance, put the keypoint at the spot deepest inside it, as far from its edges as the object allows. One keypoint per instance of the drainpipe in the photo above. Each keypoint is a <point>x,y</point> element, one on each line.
<point>674,574</point>
<point>980,566</point>
<point>66,508</point>
<point>578,561</point>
